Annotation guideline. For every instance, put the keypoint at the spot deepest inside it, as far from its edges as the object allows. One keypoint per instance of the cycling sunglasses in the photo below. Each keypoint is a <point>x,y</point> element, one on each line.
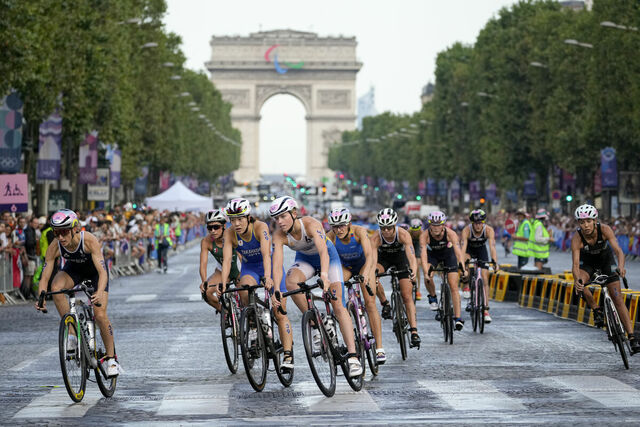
<point>387,227</point>
<point>61,232</point>
<point>214,227</point>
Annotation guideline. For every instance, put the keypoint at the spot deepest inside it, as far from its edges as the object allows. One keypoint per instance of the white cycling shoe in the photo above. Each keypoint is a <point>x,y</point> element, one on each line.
<point>355,368</point>
<point>113,368</point>
<point>487,318</point>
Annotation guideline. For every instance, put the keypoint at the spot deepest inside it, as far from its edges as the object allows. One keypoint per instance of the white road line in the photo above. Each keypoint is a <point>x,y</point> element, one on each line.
<point>206,399</point>
<point>468,395</point>
<point>57,404</point>
<point>344,400</point>
<point>194,297</point>
<point>20,366</point>
<point>607,391</point>
<point>141,298</point>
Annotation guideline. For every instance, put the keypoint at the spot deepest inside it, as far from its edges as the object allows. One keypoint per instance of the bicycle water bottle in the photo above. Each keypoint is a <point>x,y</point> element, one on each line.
<point>265,317</point>
<point>331,329</point>
<point>92,333</point>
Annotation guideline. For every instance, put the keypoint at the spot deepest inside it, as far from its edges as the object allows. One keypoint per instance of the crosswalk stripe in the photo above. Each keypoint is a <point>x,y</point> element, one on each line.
<point>466,395</point>
<point>345,398</point>
<point>57,403</point>
<point>20,366</point>
<point>205,399</point>
<point>141,298</point>
<point>607,391</point>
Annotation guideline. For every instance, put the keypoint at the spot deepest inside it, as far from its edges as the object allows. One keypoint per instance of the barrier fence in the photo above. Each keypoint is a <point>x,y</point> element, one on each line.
<point>8,293</point>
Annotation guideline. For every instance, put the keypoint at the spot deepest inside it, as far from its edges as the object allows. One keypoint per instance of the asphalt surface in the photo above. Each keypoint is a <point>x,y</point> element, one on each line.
<point>527,368</point>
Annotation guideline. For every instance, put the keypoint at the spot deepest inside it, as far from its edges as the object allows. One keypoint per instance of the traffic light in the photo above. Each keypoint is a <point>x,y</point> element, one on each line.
<point>418,197</point>
<point>341,176</point>
<point>399,196</point>
<point>482,200</point>
<point>568,198</point>
<point>324,189</point>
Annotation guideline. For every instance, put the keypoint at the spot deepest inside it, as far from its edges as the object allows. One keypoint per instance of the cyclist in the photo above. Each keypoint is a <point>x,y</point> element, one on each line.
<point>415,230</point>
<point>474,245</point>
<point>82,257</point>
<point>439,244</point>
<point>314,252</point>
<point>251,238</point>
<point>592,249</point>
<point>393,248</point>
<point>354,248</point>
<point>214,244</point>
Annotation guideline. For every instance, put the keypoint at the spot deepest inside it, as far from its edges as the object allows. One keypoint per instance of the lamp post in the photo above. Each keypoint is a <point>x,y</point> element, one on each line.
<point>610,24</point>
<point>577,43</point>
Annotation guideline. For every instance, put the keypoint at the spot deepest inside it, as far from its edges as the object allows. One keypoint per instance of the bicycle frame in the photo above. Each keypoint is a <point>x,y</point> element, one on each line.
<point>355,296</point>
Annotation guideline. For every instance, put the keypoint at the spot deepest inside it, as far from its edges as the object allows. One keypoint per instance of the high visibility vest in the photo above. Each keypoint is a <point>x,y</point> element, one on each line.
<point>521,248</point>
<point>538,250</point>
<point>165,234</point>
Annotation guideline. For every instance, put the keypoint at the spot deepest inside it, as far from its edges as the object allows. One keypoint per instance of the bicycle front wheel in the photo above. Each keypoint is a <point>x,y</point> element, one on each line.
<point>72,361</point>
<point>473,301</point>
<point>106,385</point>
<point>319,354</point>
<point>254,350</point>
<point>400,322</point>
<point>370,346</point>
<point>616,331</point>
<point>448,312</point>
<point>356,383</point>
<point>229,329</point>
<point>481,305</point>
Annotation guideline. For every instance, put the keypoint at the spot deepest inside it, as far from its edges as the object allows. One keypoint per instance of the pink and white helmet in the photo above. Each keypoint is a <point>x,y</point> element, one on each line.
<point>238,207</point>
<point>340,216</point>
<point>387,217</point>
<point>586,212</point>
<point>64,218</point>
<point>281,205</point>
<point>437,218</point>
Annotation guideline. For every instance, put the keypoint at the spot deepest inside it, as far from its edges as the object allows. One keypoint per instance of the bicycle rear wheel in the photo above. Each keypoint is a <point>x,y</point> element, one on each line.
<point>481,305</point>
<point>320,358</point>
<point>442,311</point>
<point>356,383</point>
<point>254,351</point>
<point>230,333</point>
<point>284,375</point>
<point>474,308</point>
<point>72,362</point>
<point>616,331</point>
<point>370,345</point>
<point>106,385</point>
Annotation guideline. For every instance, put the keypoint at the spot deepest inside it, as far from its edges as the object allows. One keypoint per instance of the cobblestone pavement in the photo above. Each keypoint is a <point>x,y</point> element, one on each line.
<point>528,367</point>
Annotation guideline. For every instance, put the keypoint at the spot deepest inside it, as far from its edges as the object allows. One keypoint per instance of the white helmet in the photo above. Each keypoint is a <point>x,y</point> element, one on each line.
<point>437,218</point>
<point>238,208</point>
<point>281,205</point>
<point>387,217</point>
<point>340,216</point>
<point>215,215</point>
<point>415,224</point>
<point>586,211</point>
<point>64,218</point>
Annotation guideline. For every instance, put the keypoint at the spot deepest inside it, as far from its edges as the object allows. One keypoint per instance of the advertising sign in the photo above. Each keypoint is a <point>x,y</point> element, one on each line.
<point>58,199</point>
<point>100,190</point>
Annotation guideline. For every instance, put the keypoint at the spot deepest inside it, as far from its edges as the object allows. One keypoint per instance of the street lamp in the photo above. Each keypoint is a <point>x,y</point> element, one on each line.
<point>168,64</point>
<point>610,24</point>
<point>176,77</point>
<point>538,64</point>
<point>577,43</point>
<point>149,45</point>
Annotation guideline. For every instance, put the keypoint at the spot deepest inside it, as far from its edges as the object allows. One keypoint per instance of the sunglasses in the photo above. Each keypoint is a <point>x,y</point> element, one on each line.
<point>339,226</point>
<point>214,227</point>
<point>387,228</point>
<point>61,232</point>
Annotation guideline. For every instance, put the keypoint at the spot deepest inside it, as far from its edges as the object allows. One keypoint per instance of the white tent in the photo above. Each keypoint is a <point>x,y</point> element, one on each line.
<point>180,198</point>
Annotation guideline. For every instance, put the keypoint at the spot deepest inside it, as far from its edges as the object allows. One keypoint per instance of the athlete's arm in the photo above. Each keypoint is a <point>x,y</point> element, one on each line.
<point>608,234</point>
<point>277,257</point>
<point>262,233</point>
<point>453,238</point>
<point>50,256</point>
<point>375,244</point>
<point>204,257</point>
<point>491,235</point>
<point>424,242</point>
<point>405,239</point>
<point>576,245</point>
<point>465,239</point>
<point>363,237</point>
<point>314,229</point>
<point>93,247</point>
<point>227,255</point>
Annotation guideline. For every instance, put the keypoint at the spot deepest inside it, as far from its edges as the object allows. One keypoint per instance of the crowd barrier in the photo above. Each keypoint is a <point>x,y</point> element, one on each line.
<point>8,293</point>
<point>554,294</point>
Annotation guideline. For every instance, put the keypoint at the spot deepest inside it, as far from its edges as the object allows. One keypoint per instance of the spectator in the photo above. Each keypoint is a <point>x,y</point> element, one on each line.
<point>31,252</point>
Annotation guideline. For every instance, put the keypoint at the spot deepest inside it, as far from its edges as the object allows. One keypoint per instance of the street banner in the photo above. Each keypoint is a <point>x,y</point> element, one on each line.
<point>50,147</point>
<point>100,190</point>
<point>163,180</point>
<point>442,188</point>
<point>455,190</point>
<point>597,181</point>
<point>568,182</point>
<point>432,187</point>
<point>629,190</point>
<point>474,190</point>
<point>88,159</point>
<point>203,188</point>
<point>14,193</point>
<point>529,190</point>
<point>492,192</point>
<point>422,187</point>
<point>140,187</point>
<point>10,133</point>
<point>608,168</point>
<point>114,156</point>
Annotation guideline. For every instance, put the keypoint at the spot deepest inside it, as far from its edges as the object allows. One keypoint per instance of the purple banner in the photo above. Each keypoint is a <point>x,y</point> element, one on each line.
<point>164,179</point>
<point>431,187</point>
<point>422,187</point>
<point>474,190</point>
<point>530,189</point>
<point>50,147</point>
<point>140,187</point>
<point>455,190</point>
<point>116,168</point>
<point>88,159</point>
<point>491,192</point>
<point>10,133</point>
<point>442,188</point>
<point>608,168</point>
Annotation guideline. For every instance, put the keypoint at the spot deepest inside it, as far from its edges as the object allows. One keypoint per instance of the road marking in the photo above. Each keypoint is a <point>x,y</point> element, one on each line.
<point>141,298</point>
<point>469,395</point>
<point>20,366</point>
<point>602,389</point>
<point>206,399</point>
<point>344,400</point>
<point>194,297</point>
<point>57,403</point>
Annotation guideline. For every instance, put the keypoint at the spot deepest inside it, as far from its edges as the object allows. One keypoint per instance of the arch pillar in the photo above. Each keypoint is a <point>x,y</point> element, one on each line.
<point>249,127</point>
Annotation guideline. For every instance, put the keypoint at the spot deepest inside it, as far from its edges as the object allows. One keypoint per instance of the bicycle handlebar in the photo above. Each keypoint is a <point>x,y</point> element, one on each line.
<point>360,279</point>
<point>393,271</point>
<point>480,263</point>
<point>80,287</point>
<point>599,279</point>
<point>440,268</point>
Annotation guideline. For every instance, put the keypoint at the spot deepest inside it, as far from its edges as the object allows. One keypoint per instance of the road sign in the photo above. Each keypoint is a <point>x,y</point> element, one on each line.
<point>556,195</point>
<point>58,199</point>
<point>14,192</point>
<point>510,226</point>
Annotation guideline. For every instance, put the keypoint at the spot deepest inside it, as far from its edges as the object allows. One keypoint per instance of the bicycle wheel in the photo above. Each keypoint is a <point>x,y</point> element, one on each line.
<point>320,359</point>
<point>230,333</point>
<point>448,316</point>
<point>356,383</point>
<point>106,385</point>
<point>473,301</point>
<point>284,375</point>
<point>400,322</point>
<point>72,363</point>
<point>481,305</point>
<point>254,350</point>
<point>442,312</point>
<point>616,331</point>
<point>370,346</point>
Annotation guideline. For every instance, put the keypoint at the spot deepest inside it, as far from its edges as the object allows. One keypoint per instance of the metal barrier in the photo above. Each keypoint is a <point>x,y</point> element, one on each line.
<point>6,280</point>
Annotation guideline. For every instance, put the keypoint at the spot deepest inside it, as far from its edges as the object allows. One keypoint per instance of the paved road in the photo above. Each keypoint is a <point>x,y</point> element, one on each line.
<point>528,367</point>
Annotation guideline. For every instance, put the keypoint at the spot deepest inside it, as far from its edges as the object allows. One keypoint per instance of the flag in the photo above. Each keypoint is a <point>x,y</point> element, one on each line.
<point>140,187</point>
<point>88,159</point>
<point>50,147</point>
<point>10,133</point>
<point>608,168</point>
<point>116,168</point>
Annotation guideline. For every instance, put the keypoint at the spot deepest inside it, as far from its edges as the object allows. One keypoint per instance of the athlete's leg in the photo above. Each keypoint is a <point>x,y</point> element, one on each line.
<point>372,311</point>
<point>379,289</point>
<point>455,295</point>
<point>248,280</point>
<point>293,277</point>
<point>61,281</point>
<point>106,330</point>
<point>342,315</point>
<point>212,289</point>
<point>406,290</point>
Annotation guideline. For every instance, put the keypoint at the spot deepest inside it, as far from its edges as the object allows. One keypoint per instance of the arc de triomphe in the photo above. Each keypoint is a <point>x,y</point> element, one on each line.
<point>319,71</point>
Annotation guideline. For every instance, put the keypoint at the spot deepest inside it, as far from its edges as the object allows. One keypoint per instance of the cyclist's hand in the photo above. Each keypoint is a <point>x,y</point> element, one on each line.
<point>579,286</point>
<point>325,281</point>
<point>221,289</point>
<point>275,302</point>
<point>97,297</point>
<point>268,283</point>
<point>44,306</point>
<point>622,271</point>
<point>412,275</point>
<point>202,287</point>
